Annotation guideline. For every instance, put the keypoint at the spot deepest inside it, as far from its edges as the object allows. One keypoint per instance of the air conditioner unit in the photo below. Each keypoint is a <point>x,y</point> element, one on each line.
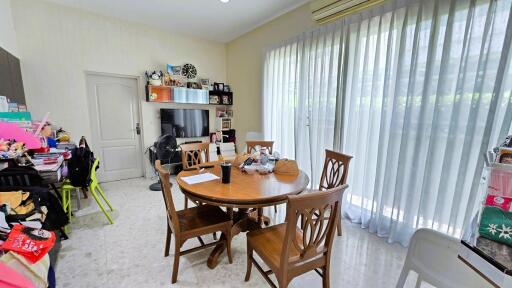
<point>328,10</point>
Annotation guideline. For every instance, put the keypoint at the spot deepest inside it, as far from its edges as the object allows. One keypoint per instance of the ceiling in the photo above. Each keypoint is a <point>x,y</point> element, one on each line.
<point>207,19</point>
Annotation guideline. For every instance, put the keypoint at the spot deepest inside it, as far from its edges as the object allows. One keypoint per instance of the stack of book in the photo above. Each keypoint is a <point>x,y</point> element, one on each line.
<point>49,166</point>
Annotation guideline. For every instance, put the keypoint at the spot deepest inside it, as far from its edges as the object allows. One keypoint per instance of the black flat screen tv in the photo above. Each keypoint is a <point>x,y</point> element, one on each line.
<point>185,123</point>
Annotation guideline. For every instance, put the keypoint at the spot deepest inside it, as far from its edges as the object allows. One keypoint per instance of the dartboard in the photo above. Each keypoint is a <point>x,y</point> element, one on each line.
<point>189,71</point>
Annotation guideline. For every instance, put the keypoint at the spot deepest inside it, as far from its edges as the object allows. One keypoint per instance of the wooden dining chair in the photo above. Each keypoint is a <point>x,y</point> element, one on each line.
<point>290,250</point>
<point>251,146</point>
<point>334,174</point>
<point>191,223</point>
<point>192,155</point>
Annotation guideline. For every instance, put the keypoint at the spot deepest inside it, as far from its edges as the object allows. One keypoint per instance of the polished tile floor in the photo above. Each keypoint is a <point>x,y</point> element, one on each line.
<point>130,252</point>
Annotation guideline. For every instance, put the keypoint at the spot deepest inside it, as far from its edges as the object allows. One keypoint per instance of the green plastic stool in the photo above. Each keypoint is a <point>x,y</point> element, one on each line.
<point>94,188</point>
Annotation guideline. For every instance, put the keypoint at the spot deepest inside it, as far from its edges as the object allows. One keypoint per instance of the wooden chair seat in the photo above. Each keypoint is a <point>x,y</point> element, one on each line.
<point>200,217</point>
<point>267,242</point>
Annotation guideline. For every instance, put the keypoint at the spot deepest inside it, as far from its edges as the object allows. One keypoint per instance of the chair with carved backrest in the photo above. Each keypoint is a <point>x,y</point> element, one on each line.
<point>252,145</point>
<point>192,155</point>
<point>289,250</point>
<point>334,174</point>
<point>191,223</point>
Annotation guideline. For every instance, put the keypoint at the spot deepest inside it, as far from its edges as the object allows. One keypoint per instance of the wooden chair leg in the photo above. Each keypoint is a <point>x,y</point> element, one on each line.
<point>283,283</point>
<point>84,191</point>
<point>249,262</point>
<point>176,264</point>
<point>325,277</point>
<point>186,202</point>
<point>275,208</point>
<point>228,244</point>
<point>338,227</point>
<point>214,236</point>
<point>260,216</point>
<point>168,241</point>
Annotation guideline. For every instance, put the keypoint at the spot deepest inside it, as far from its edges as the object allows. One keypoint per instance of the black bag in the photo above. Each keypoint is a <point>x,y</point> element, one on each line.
<point>20,176</point>
<point>80,164</point>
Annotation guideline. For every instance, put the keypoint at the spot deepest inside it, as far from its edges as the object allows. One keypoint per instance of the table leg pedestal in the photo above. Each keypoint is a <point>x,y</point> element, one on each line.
<point>244,220</point>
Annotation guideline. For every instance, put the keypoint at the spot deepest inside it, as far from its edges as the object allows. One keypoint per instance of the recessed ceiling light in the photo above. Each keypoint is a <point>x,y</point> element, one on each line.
<point>224,1</point>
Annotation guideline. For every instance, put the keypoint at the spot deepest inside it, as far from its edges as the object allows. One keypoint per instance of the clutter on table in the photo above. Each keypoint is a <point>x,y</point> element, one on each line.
<point>31,217</point>
<point>261,162</point>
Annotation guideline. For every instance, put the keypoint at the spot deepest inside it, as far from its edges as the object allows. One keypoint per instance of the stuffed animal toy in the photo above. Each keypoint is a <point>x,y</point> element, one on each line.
<point>4,145</point>
<point>167,79</point>
<point>154,78</point>
<point>62,136</point>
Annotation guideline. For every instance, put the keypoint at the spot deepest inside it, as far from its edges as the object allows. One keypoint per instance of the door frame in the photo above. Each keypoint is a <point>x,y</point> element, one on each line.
<point>139,112</point>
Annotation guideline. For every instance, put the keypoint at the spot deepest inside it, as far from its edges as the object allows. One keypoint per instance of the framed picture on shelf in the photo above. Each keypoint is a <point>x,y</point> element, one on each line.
<point>221,112</point>
<point>227,88</point>
<point>226,124</point>
<point>225,100</point>
<point>229,113</point>
<point>204,84</point>
<point>218,86</point>
<point>214,99</point>
<point>176,70</point>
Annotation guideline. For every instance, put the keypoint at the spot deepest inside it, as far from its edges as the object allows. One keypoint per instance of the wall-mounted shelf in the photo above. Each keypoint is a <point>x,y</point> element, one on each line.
<point>182,95</point>
<point>158,93</point>
<point>221,98</point>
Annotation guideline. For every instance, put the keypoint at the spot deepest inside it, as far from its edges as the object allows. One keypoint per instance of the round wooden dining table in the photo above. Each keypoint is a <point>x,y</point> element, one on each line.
<point>243,196</point>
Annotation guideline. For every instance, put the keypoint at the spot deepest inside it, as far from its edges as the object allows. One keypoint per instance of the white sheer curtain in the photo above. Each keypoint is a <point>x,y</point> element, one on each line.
<point>416,91</point>
<point>300,88</point>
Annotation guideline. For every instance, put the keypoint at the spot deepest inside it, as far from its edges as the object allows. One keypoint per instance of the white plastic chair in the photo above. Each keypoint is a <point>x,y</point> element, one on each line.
<point>227,150</point>
<point>433,256</point>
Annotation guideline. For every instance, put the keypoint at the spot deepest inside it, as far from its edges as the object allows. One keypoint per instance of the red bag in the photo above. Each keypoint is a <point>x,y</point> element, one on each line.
<point>497,201</point>
<point>30,243</point>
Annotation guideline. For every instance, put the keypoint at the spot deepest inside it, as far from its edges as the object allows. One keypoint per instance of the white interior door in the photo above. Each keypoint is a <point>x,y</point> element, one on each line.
<point>115,124</point>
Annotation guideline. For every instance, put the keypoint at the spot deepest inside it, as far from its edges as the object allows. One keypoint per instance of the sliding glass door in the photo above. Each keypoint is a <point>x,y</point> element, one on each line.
<point>416,91</point>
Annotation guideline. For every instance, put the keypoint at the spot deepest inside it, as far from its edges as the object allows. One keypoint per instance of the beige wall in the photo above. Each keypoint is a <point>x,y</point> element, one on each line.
<point>7,33</point>
<point>245,66</point>
<point>57,44</point>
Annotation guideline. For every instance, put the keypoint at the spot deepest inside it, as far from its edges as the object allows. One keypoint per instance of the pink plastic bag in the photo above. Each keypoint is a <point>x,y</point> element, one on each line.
<point>500,182</point>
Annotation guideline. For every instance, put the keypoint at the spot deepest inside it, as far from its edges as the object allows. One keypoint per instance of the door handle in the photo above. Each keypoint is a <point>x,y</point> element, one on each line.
<point>137,128</point>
